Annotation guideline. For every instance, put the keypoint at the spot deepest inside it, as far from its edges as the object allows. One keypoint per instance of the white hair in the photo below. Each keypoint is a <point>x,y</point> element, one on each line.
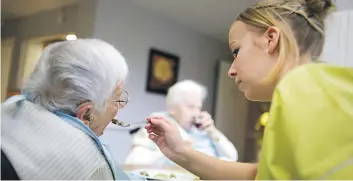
<point>71,72</point>
<point>179,90</point>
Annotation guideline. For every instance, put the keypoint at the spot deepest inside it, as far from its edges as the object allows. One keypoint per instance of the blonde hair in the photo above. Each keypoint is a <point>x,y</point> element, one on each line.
<point>302,28</point>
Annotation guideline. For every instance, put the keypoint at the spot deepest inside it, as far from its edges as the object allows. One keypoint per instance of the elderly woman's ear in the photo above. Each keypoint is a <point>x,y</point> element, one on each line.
<point>84,111</point>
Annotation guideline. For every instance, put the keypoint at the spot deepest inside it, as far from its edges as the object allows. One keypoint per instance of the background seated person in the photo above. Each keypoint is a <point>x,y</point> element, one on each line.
<point>184,103</point>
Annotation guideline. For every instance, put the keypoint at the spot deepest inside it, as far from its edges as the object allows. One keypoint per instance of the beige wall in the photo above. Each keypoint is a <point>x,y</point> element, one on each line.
<point>6,57</point>
<point>34,50</point>
<point>77,18</point>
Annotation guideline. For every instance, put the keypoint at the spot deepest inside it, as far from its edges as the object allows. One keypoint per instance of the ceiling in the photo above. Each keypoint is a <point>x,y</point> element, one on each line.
<point>19,8</point>
<point>210,17</point>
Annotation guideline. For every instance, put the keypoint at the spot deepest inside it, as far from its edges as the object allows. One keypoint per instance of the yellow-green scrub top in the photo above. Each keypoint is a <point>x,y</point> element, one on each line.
<point>309,134</point>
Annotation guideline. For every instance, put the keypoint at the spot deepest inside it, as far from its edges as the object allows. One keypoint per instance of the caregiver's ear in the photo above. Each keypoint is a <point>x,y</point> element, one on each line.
<point>272,36</point>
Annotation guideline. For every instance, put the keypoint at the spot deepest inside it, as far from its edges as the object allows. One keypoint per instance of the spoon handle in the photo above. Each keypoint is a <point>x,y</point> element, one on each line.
<point>122,124</point>
<point>139,122</point>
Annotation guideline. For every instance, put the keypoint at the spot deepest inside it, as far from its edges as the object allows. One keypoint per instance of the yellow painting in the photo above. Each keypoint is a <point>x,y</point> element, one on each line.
<point>162,71</point>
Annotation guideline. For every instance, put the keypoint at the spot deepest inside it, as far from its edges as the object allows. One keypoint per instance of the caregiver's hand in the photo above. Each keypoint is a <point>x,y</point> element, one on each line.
<point>167,137</point>
<point>169,141</point>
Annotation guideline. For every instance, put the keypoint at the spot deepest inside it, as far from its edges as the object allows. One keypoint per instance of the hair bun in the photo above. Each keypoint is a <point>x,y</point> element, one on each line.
<point>320,8</point>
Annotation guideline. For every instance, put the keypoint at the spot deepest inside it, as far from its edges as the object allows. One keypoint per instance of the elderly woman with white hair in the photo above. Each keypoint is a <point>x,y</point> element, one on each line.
<point>184,103</point>
<point>52,129</point>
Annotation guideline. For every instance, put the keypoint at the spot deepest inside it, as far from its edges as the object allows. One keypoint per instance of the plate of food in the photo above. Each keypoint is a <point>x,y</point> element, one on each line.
<point>157,174</point>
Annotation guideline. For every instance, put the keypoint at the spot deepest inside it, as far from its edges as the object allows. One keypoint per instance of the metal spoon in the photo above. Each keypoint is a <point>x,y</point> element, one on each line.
<point>122,124</point>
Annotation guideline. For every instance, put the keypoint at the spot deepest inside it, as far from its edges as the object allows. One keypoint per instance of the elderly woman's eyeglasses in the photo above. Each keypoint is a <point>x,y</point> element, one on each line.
<point>123,99</point>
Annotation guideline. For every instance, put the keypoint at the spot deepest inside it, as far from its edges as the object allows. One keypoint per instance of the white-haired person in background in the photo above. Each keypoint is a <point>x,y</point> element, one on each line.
<point>184,103</point>
<point>52,129</point>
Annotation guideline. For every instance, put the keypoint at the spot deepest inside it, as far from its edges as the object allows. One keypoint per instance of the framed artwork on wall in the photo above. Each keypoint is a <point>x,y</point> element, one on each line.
<point>162,73</point>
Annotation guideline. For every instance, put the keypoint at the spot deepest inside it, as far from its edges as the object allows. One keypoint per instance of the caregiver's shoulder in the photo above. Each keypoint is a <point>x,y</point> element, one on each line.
<point>317,79</point>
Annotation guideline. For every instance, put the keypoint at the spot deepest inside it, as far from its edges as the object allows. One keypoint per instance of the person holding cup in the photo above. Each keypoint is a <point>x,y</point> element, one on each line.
<point>184,109</point>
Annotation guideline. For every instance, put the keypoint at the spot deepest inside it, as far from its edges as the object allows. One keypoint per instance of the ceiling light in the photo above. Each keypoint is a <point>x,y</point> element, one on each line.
<point>71,37</point>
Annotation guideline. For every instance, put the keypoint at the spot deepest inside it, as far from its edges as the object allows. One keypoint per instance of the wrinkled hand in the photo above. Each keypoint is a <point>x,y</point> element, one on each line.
<point>206,121</point>
<point>207,124</point>
<point>167,137</point>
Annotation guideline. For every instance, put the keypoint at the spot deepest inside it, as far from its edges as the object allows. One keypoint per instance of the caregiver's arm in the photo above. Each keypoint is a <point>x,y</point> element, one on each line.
<point>211,168</point>
<point>169,141</point>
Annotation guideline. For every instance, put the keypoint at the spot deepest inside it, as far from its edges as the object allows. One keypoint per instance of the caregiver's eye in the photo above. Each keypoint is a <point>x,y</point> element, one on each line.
<point>235,52</point>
